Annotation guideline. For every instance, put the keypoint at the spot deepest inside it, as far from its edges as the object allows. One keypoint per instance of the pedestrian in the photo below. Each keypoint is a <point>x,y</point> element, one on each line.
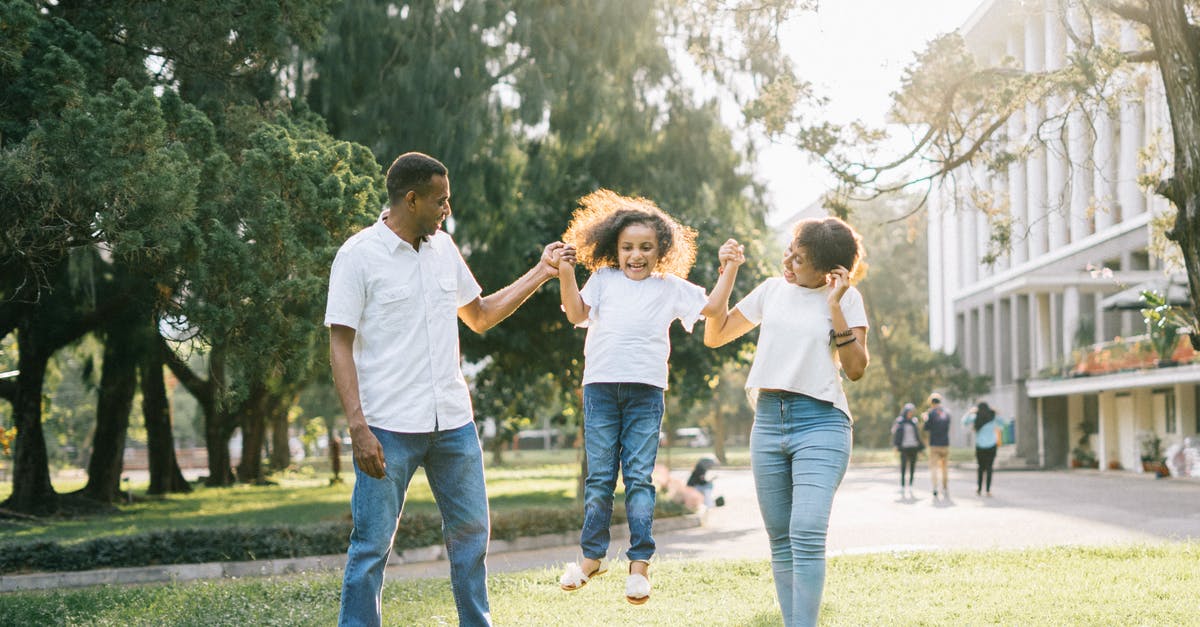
<point>937,425</point>
<point>396,292</point>
<point>814,327</point>
<point>638,256</point>
<point>906,438</point>
<point>988,429</point>
<point>702,479</point>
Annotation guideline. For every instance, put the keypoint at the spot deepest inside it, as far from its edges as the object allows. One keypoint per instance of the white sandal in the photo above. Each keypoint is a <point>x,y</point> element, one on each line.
<point>573,577</point>
<point>637,587</point>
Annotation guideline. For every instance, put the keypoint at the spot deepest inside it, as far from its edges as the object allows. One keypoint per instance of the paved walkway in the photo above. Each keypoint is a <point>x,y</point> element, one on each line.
<point>1029,509</point>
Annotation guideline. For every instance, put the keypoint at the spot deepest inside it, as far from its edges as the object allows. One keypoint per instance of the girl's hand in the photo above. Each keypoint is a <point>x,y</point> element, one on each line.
<point>567,254</point>
<point>731,252</point>
<point>839,278</point>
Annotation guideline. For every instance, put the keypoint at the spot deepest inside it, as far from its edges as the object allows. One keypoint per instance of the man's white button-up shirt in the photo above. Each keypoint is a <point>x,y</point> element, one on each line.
<point>403,305</point>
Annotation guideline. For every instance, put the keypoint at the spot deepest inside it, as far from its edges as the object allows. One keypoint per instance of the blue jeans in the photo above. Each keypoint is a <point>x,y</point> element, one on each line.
<point>620,426</point>
<point>453,462</point>
<point>799,449</point>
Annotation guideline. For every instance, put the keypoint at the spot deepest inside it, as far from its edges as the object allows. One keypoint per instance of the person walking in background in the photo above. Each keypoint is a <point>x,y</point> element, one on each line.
<point>937,425</point>
<point>907,439</point>
<point>814,328</point>
<point>639,257</point>
<point>988,427</point>
<point>396,292</point>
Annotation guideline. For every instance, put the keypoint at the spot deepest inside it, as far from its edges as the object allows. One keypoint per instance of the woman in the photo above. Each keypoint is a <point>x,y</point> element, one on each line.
<point>987,425</point>
<point>813,326</point>
<point>906,437</point>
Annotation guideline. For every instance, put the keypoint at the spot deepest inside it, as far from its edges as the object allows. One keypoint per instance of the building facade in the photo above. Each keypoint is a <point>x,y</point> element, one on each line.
<point>1032,318</point>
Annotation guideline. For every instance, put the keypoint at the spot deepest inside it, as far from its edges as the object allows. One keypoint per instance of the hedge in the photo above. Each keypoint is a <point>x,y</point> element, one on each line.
<point>236,543</point>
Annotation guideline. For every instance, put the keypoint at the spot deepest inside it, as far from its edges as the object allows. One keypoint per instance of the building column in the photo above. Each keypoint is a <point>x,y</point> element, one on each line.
<point>1079,136</point>
<point>1018,330</point>
<point>1133,137</point>
<point>1039,337</point>
<point>999,339</point>
<point>1070,319</point>
<point>937,265</point>
<point>1100,332</point>
<point>1056,166</point>
<point>1035,33</point>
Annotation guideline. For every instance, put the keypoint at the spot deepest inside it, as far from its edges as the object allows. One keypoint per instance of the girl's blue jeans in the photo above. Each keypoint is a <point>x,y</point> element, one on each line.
<point>620,430</point>
<point>453,462</point>
<point>799,449</point>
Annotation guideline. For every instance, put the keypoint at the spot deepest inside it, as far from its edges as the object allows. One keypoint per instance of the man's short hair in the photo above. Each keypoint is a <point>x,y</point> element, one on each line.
<point>411,171</point>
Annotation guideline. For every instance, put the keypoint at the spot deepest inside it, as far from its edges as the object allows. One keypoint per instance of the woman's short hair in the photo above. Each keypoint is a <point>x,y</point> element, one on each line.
<point>829,243</point>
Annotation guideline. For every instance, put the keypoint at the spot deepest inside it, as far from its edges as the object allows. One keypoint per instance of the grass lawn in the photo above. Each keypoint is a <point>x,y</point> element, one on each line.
<point>1068,586</point>
<point>299,498</point>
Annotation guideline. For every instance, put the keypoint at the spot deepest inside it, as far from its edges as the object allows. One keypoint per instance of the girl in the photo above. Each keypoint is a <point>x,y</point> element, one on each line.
<point>638,256</point>
<point>986,423</point>
<point>813,325</point>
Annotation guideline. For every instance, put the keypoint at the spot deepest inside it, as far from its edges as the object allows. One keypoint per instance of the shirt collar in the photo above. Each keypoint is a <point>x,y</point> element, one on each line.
<point>391,240</point>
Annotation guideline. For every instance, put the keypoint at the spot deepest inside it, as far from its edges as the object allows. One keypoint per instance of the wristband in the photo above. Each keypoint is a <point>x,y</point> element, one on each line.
<point>847,342</point>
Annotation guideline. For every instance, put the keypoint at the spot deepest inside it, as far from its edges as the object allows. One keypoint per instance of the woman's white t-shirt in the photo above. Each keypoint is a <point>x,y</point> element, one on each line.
<point>794,350</point>
<point>628,338</point>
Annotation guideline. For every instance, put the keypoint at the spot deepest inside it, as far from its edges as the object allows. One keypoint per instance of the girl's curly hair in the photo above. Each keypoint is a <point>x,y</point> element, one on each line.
<point>829,243</point>
<point>603,214</point>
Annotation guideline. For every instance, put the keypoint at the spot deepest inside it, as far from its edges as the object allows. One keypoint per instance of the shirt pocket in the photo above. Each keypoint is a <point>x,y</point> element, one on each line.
<point>393,306</point>
<point>447,288</point>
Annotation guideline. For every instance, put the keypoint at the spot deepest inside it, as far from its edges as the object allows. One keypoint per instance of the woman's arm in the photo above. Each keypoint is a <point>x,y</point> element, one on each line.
<point>721,326</point>
<point>851,352</point>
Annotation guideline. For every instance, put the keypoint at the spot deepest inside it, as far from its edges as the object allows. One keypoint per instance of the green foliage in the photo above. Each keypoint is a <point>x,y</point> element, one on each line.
<point>1163,322</point>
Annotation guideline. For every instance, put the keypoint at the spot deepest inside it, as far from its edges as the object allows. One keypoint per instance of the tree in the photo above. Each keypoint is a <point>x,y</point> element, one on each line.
<point>964,111</point>
<point>151,135</point>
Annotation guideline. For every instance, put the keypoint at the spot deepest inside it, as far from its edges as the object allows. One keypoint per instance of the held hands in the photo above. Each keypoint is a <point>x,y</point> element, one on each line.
<point>731,254</point>
<point>839,279</point>
<point>554,254</point>
<point>368,453</point>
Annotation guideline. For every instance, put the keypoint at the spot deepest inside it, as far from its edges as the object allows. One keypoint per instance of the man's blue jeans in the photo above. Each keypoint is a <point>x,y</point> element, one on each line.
<point>799,449</point>
<point>453,462</point>
<point>620,426</point>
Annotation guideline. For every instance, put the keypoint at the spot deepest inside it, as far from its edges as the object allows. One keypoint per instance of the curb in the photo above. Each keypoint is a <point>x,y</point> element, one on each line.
<point>177,573</point>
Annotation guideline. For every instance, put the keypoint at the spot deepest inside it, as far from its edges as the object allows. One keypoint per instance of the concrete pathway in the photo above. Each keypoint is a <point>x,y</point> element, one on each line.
<point>1028,509</point>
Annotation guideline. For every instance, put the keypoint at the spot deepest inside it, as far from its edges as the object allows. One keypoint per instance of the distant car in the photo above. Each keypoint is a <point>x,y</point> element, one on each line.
<point>691,437</point>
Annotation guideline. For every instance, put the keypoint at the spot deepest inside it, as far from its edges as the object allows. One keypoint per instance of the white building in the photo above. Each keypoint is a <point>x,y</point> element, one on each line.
<point>1075,205</point>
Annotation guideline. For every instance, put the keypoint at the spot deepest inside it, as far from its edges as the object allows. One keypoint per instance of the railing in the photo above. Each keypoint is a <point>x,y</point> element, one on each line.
<point>1120,355</point>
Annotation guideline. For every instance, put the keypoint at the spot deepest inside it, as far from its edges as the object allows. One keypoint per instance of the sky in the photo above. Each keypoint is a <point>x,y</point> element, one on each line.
<point>854,53</point>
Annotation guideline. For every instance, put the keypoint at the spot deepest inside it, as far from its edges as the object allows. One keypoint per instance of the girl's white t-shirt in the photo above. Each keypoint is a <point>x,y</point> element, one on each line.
<point>628,338</point>
<point>794,351</point>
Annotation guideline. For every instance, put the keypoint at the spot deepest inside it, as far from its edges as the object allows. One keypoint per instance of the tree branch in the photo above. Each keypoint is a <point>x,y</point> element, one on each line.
<point>1131,12</point>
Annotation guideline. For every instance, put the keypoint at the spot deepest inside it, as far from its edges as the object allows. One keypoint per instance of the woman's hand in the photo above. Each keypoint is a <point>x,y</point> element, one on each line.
<point>839,278</point>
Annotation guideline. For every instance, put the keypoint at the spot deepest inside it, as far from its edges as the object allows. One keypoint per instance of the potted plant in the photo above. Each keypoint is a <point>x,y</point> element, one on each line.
<point>1082,455</point>
<point>1152,457</point>
<point>1162,324</point>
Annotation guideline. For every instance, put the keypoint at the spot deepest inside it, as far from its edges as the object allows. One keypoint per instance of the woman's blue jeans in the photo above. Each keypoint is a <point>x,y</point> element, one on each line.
<point>799,449</point>
<point>453,462</point>
<point>620,429</point>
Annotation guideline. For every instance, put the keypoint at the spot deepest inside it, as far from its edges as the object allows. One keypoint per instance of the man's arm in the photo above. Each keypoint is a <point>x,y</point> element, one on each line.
<point>368,453</point>
<point>486,312</point>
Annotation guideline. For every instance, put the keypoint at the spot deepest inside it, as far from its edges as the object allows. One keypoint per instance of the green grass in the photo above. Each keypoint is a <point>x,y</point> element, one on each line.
<point>1060,586</point>
<point>299,498</point>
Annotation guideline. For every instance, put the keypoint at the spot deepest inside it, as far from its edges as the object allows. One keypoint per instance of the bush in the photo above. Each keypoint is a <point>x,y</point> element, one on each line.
<point>237,544</point>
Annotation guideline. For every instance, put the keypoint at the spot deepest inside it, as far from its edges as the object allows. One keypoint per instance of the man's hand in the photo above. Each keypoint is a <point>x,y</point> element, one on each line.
<point>554,254</point>
<point>368,453</point>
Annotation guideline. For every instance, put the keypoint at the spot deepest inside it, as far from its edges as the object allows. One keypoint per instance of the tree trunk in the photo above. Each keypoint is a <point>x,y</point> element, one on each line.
<point>1178,54</point>
<point>718,425</point>
<point>118,382</point>
<point>281,454</point>
<point>32,492</point>
<point>165,475</point>
<point>253,420</point>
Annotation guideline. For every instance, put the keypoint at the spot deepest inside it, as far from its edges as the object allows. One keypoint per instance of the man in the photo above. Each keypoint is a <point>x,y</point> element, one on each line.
<point>395,291</point>
<point>937,425</point>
